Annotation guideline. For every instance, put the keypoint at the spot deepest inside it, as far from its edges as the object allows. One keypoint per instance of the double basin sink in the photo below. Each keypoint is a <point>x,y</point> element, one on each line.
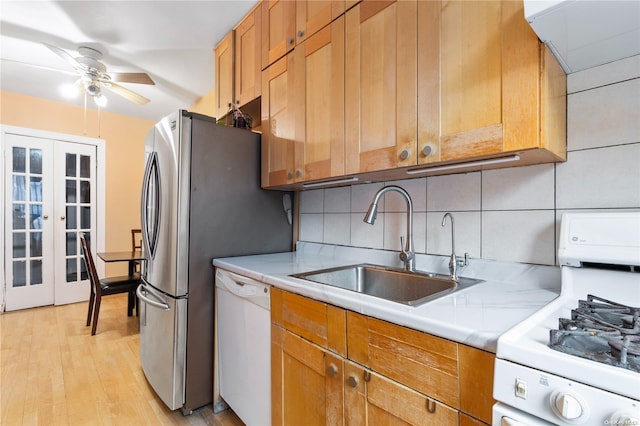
<point>397,285</point>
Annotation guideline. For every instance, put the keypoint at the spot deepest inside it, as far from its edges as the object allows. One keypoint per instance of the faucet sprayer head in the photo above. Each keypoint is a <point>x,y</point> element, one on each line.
<point>370,217</point>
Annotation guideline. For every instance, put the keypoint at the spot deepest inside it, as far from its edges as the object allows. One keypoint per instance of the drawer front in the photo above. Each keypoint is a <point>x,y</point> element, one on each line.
<point>318,322</point>
<point>425,363</point>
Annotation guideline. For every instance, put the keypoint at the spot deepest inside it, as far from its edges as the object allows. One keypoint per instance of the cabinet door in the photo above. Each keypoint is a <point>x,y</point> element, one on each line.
<point>224,75</point>
<point>476,382</point>
<point>278,29</point>
<point>320,151</point>
<point>428,82</point>
<point>248,57</point>
<point>306,382</point>
<point>313,15</point>
<point>389,402</point>
<point>375,400</point>
<point>278,122</point>
<point>471,79</point>
<point>380,94</point>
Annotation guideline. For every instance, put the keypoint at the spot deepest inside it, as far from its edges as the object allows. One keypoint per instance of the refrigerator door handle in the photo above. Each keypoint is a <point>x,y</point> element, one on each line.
<point>142,293</point>
<point>150,205</point>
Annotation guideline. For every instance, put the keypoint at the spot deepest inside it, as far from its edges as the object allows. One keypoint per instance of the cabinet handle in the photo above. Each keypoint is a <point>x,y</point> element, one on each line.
<point>352,381</point>
<point>431,405</point>
<point>62,218</point>
<point>289,175</point>
<point>300,33</point>
<point>298,173</point>
<point>404,154</point>
<point>332,370</point>
<point>367,376</point>
<point>45,217</point>
<point>290,41</point>
<point>426,151</point>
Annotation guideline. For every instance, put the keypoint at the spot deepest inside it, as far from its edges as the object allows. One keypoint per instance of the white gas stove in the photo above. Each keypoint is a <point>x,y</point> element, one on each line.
<point>577,360</point>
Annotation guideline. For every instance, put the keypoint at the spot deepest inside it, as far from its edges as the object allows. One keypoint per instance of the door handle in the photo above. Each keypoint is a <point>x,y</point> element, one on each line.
<point>156,304</point>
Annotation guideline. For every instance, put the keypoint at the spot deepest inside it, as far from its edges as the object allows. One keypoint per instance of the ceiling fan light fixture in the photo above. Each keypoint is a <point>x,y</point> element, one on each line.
<point>100,100</point>
<point>93,89</point>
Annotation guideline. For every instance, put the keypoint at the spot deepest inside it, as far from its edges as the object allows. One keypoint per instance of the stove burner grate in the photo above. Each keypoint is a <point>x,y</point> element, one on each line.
<point>601,331</point>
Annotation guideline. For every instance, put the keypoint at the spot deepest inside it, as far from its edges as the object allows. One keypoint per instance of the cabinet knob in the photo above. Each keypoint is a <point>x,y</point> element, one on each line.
<point>289,175</point>
<point>352,381</point>
<point>332,370</point>
<point>45,217</point>
<point>426,151</point>
<point>298,173</point>
<point>300,33</point>
<point>404,154</point>
<point>290,41</point>
<point>62,218</point>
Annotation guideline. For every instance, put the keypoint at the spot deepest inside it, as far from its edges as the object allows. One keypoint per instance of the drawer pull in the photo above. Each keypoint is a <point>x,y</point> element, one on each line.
<point>431,405</point>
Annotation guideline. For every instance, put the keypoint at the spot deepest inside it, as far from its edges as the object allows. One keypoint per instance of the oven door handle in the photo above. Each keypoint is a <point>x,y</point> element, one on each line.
<point>508,421</point>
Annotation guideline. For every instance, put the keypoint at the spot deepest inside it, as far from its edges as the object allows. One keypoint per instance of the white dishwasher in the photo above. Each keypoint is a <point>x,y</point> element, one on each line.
<point>244,346</point>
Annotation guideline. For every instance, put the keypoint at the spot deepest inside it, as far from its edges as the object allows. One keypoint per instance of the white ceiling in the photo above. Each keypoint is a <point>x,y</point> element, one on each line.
<point>172,41</point>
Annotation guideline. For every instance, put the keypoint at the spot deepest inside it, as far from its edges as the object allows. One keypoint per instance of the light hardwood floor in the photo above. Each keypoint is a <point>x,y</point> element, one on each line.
<point>53,372</point>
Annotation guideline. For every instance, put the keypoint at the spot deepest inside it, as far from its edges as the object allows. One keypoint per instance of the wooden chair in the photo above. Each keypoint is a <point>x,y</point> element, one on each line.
<point>103,287</point>
<point>136,244</point>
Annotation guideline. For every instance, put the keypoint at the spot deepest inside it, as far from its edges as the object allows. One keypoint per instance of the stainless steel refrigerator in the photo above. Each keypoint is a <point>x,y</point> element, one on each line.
<point>201,199</point>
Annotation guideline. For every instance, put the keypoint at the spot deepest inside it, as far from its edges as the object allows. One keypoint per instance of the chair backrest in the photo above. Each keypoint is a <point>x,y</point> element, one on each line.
<point>136,239</point>
<point>91,266</point>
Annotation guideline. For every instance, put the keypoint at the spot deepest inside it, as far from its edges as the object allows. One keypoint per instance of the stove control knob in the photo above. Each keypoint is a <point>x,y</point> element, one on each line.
<point>567,406</point>
<point>622,418</point>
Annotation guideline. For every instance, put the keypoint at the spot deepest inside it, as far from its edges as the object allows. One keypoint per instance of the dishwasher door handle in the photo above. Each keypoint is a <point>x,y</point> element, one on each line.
<point>142,292</point>
<point>244,287</point>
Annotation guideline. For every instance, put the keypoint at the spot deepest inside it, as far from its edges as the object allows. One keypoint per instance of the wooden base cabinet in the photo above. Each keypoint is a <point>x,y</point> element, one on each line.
<point>332,366</point>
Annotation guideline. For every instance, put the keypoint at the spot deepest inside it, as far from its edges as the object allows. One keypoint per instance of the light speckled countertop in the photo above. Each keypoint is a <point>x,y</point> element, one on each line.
<point>475,316</point>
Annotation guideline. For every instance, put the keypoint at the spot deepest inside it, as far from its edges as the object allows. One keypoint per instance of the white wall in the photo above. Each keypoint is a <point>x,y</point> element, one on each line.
<point>508,214</point>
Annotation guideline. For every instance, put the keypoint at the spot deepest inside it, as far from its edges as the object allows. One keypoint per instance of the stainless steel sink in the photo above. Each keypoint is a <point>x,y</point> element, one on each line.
<point>410,288</point>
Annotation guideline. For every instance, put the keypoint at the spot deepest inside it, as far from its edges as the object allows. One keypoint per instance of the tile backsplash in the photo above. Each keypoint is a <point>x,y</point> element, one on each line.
<point>508,214</point>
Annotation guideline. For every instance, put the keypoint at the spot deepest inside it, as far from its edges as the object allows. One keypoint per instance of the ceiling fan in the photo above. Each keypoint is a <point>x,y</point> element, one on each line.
<point>94,76</point>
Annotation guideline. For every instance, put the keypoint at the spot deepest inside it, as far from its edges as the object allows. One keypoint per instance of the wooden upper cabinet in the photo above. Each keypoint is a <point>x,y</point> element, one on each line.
<point>223,75</point>
<point>278,29</point>
<point>313,15</point>
<point>319,149</point>
<point>492,92</point>
<point>278,122</point>
<point>248,57</point>
<point>380,85</point>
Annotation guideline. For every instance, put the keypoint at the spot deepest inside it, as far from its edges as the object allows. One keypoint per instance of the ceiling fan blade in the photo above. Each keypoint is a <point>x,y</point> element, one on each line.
<point>131,77</point>
<point>126,93</point>
<point>64,55</point>
<point>42,67</point>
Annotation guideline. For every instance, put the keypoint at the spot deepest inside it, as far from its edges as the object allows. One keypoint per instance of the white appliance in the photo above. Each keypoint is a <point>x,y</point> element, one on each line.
<point>201,199</point>
<point>577,360</point>
<point>243,360</point>
<point>586,33</point>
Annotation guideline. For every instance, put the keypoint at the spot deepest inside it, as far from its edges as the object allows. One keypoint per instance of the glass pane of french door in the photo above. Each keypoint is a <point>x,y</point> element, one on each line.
<point>76,199</point>
<point>28,229</point>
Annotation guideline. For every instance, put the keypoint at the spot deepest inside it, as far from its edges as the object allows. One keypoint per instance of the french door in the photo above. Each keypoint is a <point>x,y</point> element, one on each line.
<point>50,196</point>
